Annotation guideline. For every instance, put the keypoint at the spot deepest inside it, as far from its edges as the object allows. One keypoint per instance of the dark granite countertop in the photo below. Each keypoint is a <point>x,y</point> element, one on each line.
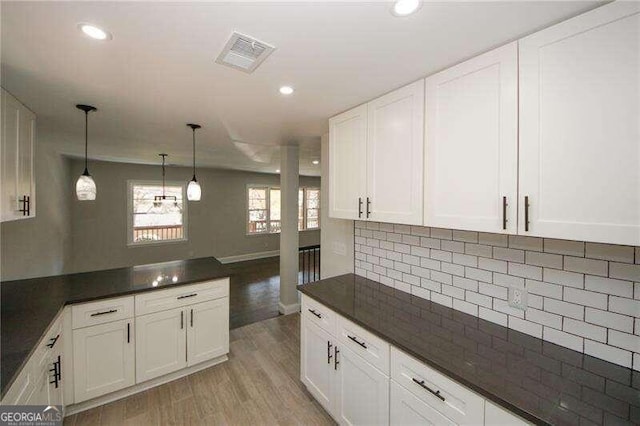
<point>540,381</point>
<point>29,306</point>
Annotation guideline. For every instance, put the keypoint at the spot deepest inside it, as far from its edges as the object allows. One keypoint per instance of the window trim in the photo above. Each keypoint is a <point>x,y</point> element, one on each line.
<point>129,212</point>
<point>269,188</point>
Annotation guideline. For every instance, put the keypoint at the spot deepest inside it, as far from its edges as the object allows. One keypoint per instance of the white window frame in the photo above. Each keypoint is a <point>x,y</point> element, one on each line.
<point>185,213</point>
<point>269,188</point>
<point>304,207</point>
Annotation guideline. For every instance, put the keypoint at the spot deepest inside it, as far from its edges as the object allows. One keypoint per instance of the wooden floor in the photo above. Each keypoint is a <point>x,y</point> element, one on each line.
<point>259,385</point>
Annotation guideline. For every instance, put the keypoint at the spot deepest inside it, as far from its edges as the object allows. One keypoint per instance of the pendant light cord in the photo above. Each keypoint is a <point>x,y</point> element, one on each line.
<point>163,172</point>
<point>194,154</point>
<point>86,141</point>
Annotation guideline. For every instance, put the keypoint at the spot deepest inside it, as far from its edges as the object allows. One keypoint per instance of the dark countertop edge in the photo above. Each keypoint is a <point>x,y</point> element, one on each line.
<point>471,385</point>
<point>18,370</point>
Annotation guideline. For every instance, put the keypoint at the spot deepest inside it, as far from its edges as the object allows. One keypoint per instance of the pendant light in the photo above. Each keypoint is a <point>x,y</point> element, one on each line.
<point>194,192</point>
<point>85,186</point>
<point>159,200</point>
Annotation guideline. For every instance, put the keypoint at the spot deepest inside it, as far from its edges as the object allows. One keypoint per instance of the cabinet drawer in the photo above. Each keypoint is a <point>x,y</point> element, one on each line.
<point>454,401</point>
<point>101,312</point>
<point>319,314</point>
<point>163,300</point>
<point>370,347</point>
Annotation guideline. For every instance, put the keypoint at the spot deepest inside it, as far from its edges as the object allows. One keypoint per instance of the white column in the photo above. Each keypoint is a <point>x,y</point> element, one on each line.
<point>289,173</point>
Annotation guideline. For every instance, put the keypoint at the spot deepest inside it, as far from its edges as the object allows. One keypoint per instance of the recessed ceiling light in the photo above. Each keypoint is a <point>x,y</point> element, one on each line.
<point>94,32</point>
<point>316,162</point>
<point>405,7</point>
<point>286,90</point>
<point>277,170</point>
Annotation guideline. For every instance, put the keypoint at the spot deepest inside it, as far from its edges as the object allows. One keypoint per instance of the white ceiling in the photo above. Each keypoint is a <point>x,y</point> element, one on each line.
<point>158,72</point>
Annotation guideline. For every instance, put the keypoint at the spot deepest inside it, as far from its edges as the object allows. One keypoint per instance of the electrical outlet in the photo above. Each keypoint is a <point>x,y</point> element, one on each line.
<point>518,298</point>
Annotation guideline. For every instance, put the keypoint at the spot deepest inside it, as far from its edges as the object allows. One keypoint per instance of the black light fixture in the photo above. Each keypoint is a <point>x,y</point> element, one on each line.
<point>194,192</point>
<point>85,186</point>
<point>158,200</point>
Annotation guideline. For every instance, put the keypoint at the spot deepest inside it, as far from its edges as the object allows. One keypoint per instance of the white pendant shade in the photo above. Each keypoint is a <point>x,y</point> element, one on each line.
<point>194,192</point>
<point>86,188</point>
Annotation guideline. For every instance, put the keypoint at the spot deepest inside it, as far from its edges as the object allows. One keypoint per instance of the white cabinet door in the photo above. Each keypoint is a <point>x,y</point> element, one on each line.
<point>408,410</point>
<point>161,344</point>
<point>10,134</point>
<point>579,133</point>
<point>104,359</point>
<point>208,330</point>
<point>471,145</point>
<point>26,146</point>
<point>348,163</point>
<point>316,362</point>
<point>395,156</point>
<point>361,391</point>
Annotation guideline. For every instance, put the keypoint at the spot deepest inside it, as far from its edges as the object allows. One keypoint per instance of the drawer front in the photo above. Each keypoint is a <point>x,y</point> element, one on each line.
<point>370,347</point>
<point>454,401</point>
<point>163,300</point>
<point>319,314</point>
<point>101,312</point>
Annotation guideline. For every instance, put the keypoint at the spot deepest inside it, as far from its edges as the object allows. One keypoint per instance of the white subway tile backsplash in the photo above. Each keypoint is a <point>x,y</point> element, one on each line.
<point>589,331</point>
<point>622,305</point>
<point>544,289</point>
<point>492,265</point>
<point>465,259</point>
<point>478,274</point>
<point>453,246</point>
<point>609,286</point>
<point>511,255</point>
<point>564,278</point>
<point>496,240</point>
<point>452,269</point>
<point>624,271</point>
<point>543,259</point>
<point>586,266</point>
<point>624,340</point>
<point>525,271</point>
<point>545,318</point>
<point>466,307</point>
<point>525,243</point>
<point>609,319</point>
<point>570,248</point>
<point>608,353</point>
<point>609,252</point>
<point>563,339</point>
<point>584,296</point>
<point>565,309</point>
<point>587,298</point>
<point>441,234</point>
<point>493,316</point>
<point>465,236</point>
<point>526,327</point>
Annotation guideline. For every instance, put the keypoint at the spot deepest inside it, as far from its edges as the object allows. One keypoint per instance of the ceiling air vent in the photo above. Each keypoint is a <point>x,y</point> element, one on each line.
<point>244,53</point>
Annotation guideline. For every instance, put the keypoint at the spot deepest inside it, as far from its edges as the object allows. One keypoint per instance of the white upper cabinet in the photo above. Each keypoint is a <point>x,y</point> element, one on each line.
<point>18,133</point>
<point>394,156</point>
<point>471,144</point>
<point>579,132</point>
<point>375,156</point>
<point>347,163</point>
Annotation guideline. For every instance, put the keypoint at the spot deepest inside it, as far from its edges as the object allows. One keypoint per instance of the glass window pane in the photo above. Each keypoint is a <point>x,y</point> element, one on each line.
<point>154,218</point>
<point>275,205</point>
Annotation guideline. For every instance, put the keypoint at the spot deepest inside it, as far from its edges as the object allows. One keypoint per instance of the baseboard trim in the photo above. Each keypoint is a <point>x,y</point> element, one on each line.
<point>123,393</point>
<point>249,256</point>
<point>288,309</point>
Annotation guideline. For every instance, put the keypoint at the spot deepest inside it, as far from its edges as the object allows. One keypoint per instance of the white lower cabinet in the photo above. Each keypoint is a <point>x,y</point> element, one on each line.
<point>361,391</point>
<point>103,359</point>
<point>161,341</point>
<point>362,380</point>
<point>208,331</point>
<point>407,409</point>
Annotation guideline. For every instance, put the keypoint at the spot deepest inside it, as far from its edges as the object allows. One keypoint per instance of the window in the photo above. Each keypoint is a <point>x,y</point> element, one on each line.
<point>152,219</point>
<point>264,209</point>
